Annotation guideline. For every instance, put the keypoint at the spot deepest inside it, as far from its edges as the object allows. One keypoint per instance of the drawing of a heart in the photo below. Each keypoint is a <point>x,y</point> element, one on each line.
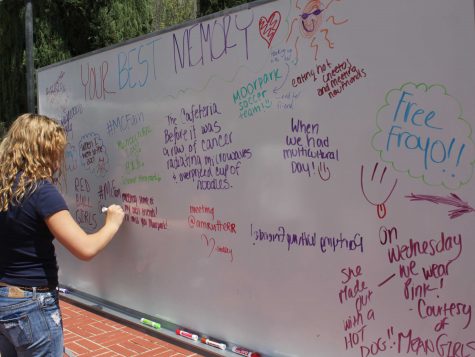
<point>269,26</point>
<point>208,241</point>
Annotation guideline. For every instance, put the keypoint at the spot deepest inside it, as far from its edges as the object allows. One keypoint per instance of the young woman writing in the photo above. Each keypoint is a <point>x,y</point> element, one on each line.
<point>33,213</point>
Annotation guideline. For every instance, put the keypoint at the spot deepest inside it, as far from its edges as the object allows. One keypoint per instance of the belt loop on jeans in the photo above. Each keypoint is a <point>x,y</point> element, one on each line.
<point>34,293</point>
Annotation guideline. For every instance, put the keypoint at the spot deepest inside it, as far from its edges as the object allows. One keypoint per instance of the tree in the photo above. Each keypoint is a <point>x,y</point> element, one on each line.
<point>121,20</point>
<point>68,28</point>
<point>62,29</point>
<point>12,59</point>
<point>211,6</point>
<point>172,12</point>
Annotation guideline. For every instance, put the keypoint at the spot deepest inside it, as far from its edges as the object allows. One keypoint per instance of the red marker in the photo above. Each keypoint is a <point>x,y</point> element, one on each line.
<point>243,352</point>
<point>187,335</point>
<point>209,342</point>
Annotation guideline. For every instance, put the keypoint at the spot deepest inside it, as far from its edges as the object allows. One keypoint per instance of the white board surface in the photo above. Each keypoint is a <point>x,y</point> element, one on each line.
<point>297,176</point>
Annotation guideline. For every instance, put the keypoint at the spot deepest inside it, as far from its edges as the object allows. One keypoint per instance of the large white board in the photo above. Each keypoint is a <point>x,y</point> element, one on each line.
<point>297,176</point>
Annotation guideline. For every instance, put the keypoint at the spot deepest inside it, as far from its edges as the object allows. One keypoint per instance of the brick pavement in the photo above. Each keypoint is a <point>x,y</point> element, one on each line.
<point>88,334</point>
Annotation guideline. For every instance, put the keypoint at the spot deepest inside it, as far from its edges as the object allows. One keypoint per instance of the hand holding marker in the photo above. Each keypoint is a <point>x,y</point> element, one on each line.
<point>114,215</point>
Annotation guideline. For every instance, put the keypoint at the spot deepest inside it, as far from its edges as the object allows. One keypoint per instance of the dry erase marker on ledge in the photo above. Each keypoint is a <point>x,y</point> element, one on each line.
<point>150,323</point>
<point>244,352</point>
<point>213,343</point>
<point>187,334</point>
<point>63,290</point>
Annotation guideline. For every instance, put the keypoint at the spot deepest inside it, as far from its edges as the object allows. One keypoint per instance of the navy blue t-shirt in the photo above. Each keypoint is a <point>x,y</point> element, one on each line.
<point>27,255</point>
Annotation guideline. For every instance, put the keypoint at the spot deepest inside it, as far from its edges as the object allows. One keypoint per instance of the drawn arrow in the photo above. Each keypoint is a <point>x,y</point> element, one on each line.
<point>452,200</point>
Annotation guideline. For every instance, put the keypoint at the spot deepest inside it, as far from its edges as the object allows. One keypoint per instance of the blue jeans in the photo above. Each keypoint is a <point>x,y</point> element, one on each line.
<point>30,325</point>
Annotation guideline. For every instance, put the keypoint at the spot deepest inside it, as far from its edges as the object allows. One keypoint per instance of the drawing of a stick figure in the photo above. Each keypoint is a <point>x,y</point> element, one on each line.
<point>310,22</point>
<point>381,206</point>
<point>102,166</point>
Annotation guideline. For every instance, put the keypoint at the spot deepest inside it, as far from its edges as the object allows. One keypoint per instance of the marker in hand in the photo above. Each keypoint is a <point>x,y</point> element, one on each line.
<point>104,209</point>
<point>213,343</point>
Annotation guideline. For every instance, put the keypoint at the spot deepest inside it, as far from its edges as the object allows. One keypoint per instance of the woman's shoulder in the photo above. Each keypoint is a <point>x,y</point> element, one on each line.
<point>44,183</point>
<point>44,186</point>
<point>48,198</point>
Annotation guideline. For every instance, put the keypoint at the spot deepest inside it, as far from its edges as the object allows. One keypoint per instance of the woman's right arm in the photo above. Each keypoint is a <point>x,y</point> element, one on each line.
<point>81,244</point>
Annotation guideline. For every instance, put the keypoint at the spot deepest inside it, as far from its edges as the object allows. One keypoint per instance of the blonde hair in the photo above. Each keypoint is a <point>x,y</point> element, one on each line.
<point>32,149</point>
